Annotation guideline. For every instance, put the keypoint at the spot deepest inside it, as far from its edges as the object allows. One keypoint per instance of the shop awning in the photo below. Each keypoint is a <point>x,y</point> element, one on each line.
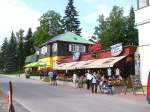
<point>96,63</point>
<point>35,64</point>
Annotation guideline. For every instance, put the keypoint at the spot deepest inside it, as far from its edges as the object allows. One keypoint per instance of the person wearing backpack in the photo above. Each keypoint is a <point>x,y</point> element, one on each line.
<point>94,83</point>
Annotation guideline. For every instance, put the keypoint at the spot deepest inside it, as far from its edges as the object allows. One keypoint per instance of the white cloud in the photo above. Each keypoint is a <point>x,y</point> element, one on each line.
<point>15,15</point>
<point>102,9</point>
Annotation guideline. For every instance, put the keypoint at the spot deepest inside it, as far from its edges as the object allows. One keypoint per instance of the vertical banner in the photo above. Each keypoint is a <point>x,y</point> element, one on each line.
<point>137,63</point>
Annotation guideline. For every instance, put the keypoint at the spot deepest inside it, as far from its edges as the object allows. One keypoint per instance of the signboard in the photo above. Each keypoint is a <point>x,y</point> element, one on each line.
<point>137,63</point>
<point>134,82</point>
<point>76,56</point>
<point>116,49</point>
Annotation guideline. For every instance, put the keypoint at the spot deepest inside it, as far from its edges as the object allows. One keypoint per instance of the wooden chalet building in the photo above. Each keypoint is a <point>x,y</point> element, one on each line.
<point>100,59</point>
<point>67,44</point>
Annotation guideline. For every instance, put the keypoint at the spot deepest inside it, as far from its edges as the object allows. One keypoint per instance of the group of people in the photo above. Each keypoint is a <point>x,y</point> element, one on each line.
<point>52,77</point>
<point>97,79</point>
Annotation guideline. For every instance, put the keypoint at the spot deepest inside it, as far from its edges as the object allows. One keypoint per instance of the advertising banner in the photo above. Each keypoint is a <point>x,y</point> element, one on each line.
<point>116,49</point>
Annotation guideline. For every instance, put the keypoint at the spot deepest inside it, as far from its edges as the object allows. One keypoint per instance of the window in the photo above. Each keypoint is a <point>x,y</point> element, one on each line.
<point>44,50</point>
<point>142,3</point>
<point>76,48</point>
<point>54,49</point>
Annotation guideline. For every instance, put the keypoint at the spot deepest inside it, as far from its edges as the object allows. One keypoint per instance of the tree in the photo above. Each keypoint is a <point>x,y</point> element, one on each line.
<point>70,20</point>
<point>132,32</point>
<point>116,27</point>
<point>40,36</point>
<point>28,43</point>
<point>20,49</point>
<point>112,30</point>
<point>1,62</point>
<point>11,63</point>
<point>3,54</point>
<point>101,26</point>
<point>50,26</point>
<point>51,22</point>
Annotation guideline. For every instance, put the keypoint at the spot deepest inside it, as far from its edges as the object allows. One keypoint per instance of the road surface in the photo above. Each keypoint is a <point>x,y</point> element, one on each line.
<point>41,97</point>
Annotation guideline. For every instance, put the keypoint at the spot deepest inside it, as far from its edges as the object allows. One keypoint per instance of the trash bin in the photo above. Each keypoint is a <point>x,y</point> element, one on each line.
<point>148,88</point>
<point>27,76</point>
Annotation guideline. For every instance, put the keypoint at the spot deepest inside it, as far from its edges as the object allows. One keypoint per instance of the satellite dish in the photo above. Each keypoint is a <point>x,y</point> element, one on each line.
<point>76,56</point>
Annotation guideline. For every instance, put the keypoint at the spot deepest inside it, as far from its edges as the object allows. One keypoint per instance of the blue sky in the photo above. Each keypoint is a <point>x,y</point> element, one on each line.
<point>16,14</point>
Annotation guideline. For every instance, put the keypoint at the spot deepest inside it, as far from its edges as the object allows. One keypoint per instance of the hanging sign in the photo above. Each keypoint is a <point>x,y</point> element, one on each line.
<point>76,56</point>
<point>116,49</point>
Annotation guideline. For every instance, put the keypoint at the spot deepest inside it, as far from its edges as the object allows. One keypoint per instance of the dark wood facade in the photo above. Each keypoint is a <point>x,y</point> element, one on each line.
<point>62,49</point>
<point>127,51</point>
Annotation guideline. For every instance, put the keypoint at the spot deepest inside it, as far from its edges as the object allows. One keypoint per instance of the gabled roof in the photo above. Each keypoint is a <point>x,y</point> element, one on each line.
<point>71,37</point>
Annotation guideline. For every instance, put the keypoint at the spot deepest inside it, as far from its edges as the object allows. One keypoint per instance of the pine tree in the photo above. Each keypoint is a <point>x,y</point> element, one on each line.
<point>3,54</point>
<point>70,21</point>
<point>132,32</point>
<point>11,55</point>
<point>20,49</point>
<point>28,44</point>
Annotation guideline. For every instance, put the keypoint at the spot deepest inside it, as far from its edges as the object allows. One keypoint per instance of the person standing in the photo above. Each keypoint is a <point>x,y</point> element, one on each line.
<point>109,72</point>
<point>50,74</point>
<point>54,78</point>
<point>74,79</point>
<point>88,79</point>
<point>98,78</point>
<point>94,83</point>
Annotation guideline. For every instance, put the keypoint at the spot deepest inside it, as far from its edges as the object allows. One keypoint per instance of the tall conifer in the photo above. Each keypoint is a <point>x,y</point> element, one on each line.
<point>70,20</point>
<point>11,61</point>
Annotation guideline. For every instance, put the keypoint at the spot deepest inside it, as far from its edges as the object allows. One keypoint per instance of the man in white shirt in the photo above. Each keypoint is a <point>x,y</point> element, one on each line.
<point>50,74</point>
<point>109,72</point>
<point>88,79</point>
<point>74,79</point>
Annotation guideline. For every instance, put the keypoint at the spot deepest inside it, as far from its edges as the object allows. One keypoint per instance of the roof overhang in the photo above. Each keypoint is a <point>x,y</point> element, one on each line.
<point>96,63</point>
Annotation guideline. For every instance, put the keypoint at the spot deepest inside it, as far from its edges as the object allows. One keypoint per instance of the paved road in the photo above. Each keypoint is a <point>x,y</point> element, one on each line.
<point>41,97</point>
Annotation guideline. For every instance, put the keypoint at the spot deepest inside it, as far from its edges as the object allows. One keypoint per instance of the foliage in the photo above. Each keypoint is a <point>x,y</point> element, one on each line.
<point>40,36</point>
<point>3,54</point>
<point>132,32</point>
<point>70,20</point>
<point>46,79</point>
<point>28,43</point>
<point>11,63</point>
<point>20,49</point>
<point>116,28</point>
<point>51,22</point>
<point>12,55</point>
<point>50,26</point>
<point>101,27</point>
